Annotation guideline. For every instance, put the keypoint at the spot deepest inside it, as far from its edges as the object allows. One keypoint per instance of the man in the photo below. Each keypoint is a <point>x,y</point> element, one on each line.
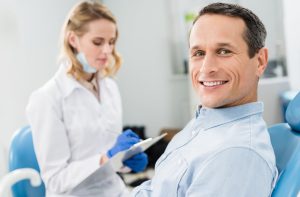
<point>225,150</point>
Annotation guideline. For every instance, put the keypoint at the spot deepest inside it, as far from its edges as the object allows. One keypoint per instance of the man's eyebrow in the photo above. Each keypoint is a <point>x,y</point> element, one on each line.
<point>225,44</point>
<point>221,44</point>
<point>195,47</point>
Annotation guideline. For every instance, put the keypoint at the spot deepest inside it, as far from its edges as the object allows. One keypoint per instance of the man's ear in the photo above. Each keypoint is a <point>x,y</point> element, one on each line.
<point>73,40</point>
<point>262,61</point>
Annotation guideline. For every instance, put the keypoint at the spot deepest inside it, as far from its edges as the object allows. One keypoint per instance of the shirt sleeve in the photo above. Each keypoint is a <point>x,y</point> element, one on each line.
<point>233,172</point>
<point>144,190</point>
<point>52,146</point>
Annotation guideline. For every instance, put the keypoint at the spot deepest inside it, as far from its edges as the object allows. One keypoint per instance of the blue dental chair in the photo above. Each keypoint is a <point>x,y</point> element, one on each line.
<point>22,155</point>
<point>285,139</point>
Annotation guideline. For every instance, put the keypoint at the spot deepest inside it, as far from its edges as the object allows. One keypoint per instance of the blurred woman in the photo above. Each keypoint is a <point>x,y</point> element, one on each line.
<point>76,117</point>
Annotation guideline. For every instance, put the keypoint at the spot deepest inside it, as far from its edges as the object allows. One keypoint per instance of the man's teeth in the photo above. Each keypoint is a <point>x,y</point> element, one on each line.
<point>213,83</point>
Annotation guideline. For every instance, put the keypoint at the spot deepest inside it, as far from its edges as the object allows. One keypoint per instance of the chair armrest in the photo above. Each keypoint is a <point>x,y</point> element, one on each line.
<point>17,175</point>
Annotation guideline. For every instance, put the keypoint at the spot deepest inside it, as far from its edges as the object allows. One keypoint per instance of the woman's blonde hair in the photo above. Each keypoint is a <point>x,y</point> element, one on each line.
<point>82,14</point>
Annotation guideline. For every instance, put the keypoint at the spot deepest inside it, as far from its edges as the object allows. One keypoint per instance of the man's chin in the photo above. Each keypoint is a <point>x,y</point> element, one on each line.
<point>210,104</point>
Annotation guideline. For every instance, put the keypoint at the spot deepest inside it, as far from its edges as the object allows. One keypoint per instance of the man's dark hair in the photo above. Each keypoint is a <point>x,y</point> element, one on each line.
<point>255,33</point>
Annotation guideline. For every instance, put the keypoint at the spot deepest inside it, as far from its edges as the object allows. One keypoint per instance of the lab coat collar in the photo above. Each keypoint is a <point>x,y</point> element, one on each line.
<point>67,83</point>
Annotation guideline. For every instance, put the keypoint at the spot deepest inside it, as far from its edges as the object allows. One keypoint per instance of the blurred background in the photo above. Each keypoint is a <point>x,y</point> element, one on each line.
<point>153,80</point>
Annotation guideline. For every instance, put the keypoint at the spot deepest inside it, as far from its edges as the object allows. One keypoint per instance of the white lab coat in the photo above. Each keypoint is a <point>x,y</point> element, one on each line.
<point>71,130</point>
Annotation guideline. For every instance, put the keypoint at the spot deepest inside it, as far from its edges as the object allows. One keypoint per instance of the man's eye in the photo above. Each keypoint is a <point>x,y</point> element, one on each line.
<point>199,53</point>
<point>224,52</point>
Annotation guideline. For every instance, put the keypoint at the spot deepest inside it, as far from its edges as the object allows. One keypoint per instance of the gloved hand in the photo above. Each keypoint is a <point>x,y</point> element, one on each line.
<point>137,163</point>
<point>124,141</point>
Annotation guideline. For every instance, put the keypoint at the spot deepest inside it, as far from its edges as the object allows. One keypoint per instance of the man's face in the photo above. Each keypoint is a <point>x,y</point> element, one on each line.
<point>221,70</point>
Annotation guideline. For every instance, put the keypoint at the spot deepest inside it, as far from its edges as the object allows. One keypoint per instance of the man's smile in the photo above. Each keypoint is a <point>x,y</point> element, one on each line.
<point>212,83</point>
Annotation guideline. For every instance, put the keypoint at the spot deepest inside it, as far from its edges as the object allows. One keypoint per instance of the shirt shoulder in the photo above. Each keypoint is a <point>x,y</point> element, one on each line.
<point>233,154</point>
<point>230,167</point>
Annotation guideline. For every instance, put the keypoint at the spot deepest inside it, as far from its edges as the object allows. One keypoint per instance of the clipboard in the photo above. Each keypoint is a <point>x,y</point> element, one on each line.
<point>116,161</point>
<point>114,164</point>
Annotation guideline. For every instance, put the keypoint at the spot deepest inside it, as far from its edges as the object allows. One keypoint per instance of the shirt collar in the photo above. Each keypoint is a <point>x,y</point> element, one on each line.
<point>211,117</point>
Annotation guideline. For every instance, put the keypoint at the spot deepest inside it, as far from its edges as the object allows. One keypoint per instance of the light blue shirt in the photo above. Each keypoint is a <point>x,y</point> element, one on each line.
<point>222,152</point>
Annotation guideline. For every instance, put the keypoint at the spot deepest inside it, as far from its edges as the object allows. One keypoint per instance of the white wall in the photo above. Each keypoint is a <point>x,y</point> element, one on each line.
<point>29,36</point>
<point>292,32</point>
<point>269,91</point>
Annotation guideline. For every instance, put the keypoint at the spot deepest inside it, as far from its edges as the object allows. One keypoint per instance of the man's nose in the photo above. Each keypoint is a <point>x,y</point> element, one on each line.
<point>209,64</point>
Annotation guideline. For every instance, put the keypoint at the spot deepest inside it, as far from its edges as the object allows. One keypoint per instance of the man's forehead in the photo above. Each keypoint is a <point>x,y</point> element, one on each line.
<point>218,22</point>
<point>214,16</point>
<point>218,29</point>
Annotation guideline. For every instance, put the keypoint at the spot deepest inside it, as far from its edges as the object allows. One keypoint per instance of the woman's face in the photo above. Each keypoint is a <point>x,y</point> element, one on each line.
<point>97,43</point>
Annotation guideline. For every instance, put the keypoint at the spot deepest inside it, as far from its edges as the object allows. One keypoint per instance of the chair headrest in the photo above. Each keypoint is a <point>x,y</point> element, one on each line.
<point>292,114</point>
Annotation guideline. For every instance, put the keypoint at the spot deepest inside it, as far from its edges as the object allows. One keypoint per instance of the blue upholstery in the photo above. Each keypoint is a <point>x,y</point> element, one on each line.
<point>22,155</point>
<point>285,99</point>
<point>285,138</point>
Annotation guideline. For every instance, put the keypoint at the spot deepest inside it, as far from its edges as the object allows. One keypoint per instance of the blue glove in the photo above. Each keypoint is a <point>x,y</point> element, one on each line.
<point>137,163</point>
<point>124,141</point>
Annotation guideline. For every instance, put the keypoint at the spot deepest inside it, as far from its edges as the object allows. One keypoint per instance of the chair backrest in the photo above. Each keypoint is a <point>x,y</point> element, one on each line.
<point>22,155</point>
<point>285,99</point>
<point>285,138</point>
